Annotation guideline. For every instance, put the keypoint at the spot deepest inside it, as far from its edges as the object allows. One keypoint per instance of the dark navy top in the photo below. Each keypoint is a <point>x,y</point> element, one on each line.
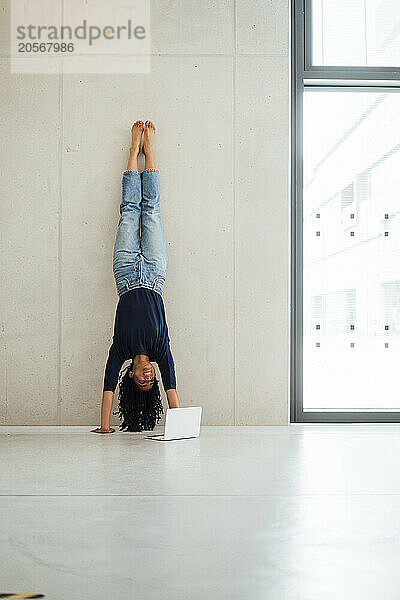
<point>140,328</point>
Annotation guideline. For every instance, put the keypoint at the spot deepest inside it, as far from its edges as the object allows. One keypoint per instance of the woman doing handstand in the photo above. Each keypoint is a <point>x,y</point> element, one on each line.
<point>140,328</point>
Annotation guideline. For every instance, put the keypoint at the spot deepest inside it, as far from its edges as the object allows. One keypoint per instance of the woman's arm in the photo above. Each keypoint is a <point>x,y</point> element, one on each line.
<point>167,370</point>
<point>113,366</point>
<point>106,406</point>
<point>172,397</point>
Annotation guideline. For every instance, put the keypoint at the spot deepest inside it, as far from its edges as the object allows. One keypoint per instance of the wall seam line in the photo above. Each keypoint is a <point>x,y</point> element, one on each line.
<point>6,397</point>
<point>234,202</point>
<point>60,232</point>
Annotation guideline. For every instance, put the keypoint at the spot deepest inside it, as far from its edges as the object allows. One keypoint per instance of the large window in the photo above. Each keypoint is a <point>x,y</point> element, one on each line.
<point>346,210</point>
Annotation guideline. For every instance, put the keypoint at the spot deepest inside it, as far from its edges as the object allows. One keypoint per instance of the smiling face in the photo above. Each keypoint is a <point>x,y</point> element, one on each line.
<point>143,375</point>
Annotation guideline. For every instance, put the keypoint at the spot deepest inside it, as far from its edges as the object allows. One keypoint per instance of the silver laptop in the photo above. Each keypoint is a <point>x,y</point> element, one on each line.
<point>180,424</point>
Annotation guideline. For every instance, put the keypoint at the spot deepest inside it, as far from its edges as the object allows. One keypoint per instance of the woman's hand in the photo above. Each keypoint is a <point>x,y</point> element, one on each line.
<point>172,397</point>
<point>106,405</point>
<point>101,430</point>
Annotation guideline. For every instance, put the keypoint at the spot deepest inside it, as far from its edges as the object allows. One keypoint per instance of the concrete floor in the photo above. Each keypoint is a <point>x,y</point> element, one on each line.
<point>256,513</point>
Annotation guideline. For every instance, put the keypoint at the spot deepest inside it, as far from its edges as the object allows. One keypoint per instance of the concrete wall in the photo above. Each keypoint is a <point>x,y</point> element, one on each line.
<point>218,93</point>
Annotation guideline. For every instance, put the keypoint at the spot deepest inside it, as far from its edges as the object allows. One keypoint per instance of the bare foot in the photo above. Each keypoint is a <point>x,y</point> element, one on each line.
<point>137,130</point>
<point>100,430</point>
<point>149,133</point>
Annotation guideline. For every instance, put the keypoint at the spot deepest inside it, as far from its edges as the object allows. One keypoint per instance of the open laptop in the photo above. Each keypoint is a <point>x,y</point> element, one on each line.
<point>180,424</point>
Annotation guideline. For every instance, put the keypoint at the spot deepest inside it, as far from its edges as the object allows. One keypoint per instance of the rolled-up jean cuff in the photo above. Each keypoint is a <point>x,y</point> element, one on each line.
<point>129,172</point>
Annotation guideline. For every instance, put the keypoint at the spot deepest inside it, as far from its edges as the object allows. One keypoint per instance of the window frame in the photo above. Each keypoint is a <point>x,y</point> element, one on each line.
<point>305,75</point>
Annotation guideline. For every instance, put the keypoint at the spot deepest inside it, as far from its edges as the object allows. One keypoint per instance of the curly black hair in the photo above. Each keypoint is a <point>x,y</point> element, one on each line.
<point>138,410</point>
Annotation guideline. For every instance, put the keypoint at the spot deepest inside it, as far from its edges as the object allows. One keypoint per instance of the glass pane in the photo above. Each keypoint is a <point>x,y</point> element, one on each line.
<point>356,33</point>
<point>351,250</point>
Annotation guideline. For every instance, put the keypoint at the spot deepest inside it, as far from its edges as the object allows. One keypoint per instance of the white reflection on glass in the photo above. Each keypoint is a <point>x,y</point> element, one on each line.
<point>351,250</point>
<point>356,32</point>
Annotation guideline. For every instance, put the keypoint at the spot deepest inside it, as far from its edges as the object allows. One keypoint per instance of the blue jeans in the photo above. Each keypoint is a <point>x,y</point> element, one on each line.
<point>140,256</point>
